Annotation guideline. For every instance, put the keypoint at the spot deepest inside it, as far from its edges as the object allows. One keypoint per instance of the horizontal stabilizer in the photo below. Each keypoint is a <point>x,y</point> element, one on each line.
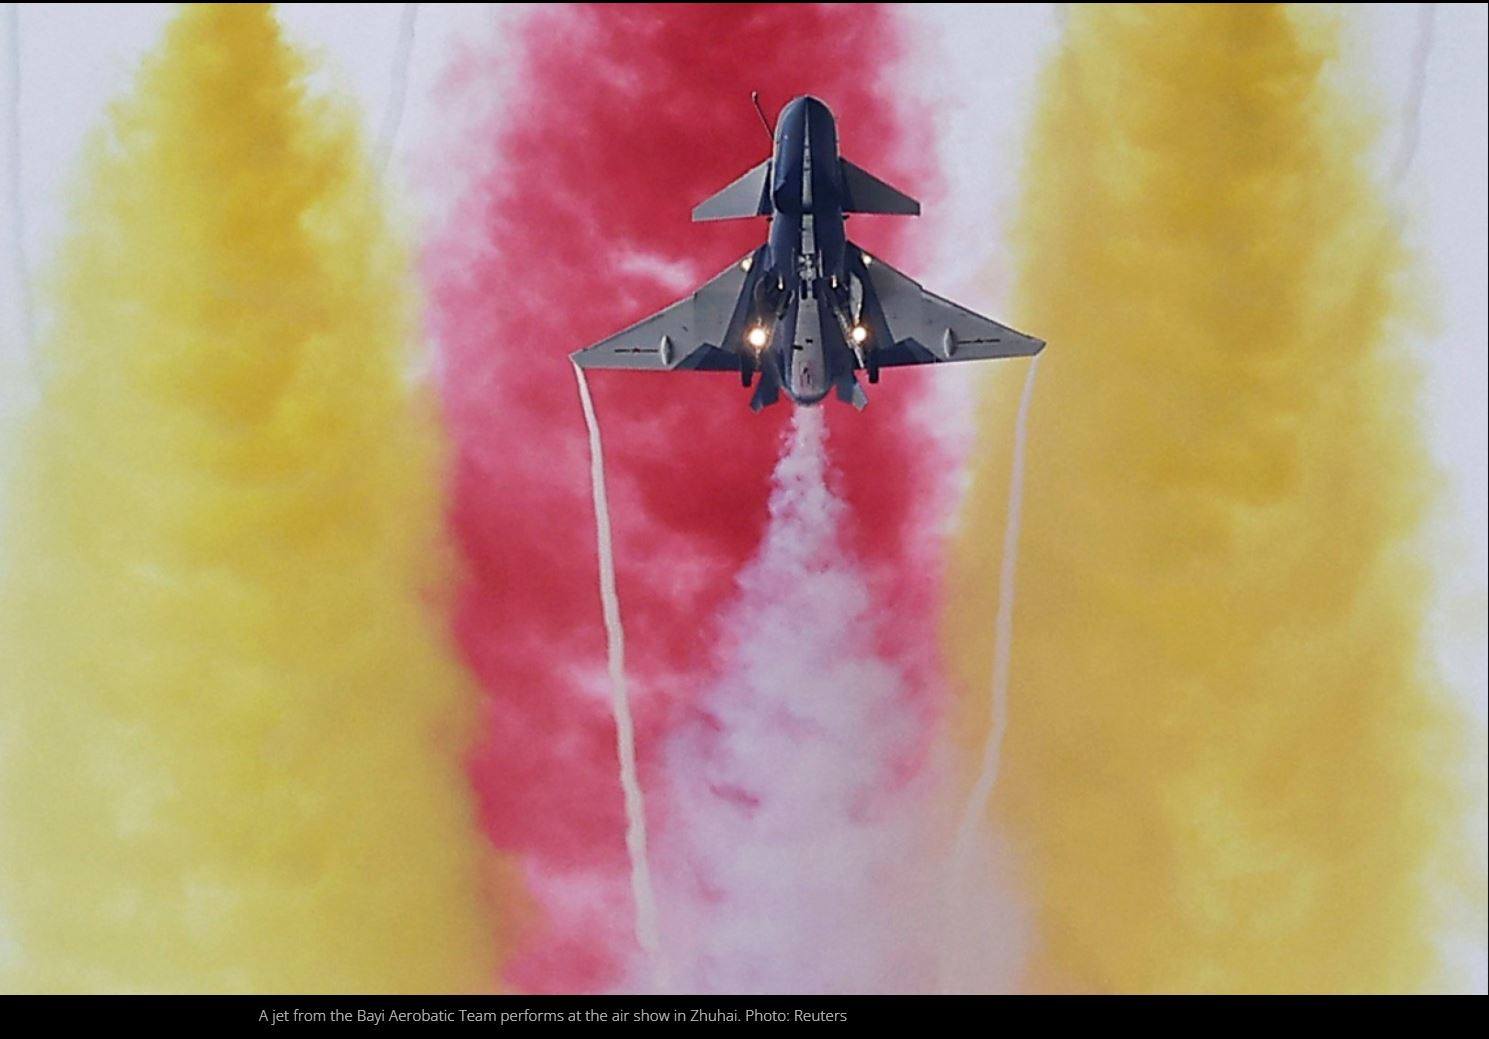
<point>868,194</point>
<point>747,196</point>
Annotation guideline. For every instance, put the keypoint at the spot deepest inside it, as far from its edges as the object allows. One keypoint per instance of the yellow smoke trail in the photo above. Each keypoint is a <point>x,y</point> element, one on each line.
<point>232,729</point>
<point>1228,766</point>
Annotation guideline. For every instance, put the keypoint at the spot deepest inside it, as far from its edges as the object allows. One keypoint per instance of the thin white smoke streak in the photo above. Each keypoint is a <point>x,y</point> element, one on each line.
<point>398,87</point>
<point>980,796</point>
<point>22,266</point>
<point>642,892</point>
<point>1416,93</point>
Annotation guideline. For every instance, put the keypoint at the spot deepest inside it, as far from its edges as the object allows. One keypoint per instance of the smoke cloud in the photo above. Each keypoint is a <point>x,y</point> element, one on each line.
<point>576,223</point>
<point>1228,766</point>
<point>232,726</point>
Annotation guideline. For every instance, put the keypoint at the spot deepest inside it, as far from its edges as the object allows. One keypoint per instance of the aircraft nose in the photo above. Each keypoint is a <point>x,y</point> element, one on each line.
<point>806,111</point>
<point>804,104</point>
<point>809,111</point>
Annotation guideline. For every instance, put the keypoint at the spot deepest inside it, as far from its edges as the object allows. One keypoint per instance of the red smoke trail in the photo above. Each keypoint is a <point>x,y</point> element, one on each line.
<point>575,224</point>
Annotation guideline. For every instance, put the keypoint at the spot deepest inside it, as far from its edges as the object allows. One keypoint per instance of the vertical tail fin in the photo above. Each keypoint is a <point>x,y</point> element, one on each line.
<point>849,392</point>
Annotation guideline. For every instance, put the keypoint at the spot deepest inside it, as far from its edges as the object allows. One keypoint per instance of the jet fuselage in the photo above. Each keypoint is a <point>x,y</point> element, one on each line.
<point>805,302</point>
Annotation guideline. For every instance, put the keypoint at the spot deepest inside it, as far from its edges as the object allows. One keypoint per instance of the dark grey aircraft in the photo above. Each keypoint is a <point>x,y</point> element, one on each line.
<point>808,309</point>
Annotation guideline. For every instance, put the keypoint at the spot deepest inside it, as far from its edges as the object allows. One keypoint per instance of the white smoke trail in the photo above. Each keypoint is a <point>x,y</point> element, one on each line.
<point>1416,94</point>
<point>15,193</point>
<point>642,894</point>
<point>793,855</point>
<point>964,849</point>
<point>398,87</point>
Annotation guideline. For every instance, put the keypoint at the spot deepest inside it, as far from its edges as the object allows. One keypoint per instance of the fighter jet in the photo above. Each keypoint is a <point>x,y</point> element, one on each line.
<point>807,310</point>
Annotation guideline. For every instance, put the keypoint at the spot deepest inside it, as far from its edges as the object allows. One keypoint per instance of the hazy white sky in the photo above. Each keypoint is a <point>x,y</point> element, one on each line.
<point>978,63</point>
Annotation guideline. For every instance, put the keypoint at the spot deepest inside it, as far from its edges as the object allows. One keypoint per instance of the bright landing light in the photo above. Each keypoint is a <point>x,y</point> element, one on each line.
<point>859,333</point>
<point>757,337</point>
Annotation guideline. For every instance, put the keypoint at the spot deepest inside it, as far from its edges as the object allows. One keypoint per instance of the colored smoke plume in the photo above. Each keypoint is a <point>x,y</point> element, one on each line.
<point>574,223</point>
<point>1227,766</point>
<point>232,728</point>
